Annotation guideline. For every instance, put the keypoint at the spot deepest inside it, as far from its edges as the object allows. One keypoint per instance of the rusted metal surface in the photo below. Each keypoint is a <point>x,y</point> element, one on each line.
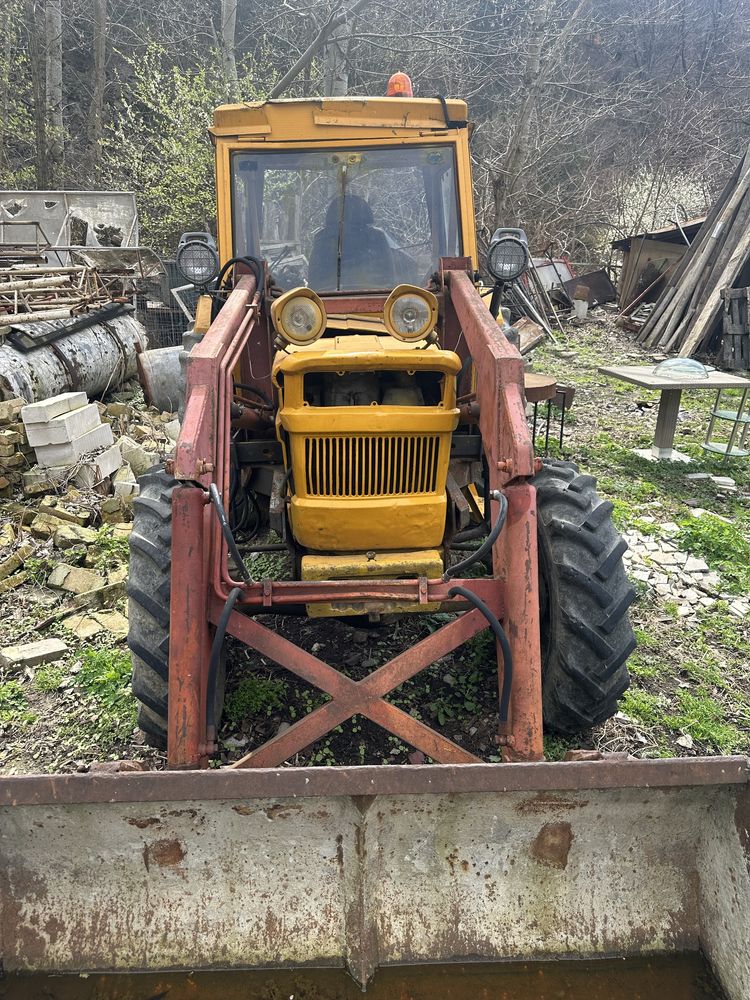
<point>421,779</point>
<point>189,639</point>
<point>350,697</point>
<point>297,866</point>
<point>204,422</point>
<point>515,557</point>
<point>499,389</point>
<point>91,360</point>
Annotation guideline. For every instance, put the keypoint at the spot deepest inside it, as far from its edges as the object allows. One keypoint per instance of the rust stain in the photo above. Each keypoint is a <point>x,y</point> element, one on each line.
<point>281,810</point>
<point>340,852</point>
<point>164,853</point>
<point>742,822</point>
<point>243,810</point>
<point>142,822</point>
<point>551,845</point>
<point>544,802</point>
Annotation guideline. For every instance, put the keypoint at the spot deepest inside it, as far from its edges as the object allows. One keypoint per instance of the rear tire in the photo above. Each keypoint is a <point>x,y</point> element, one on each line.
<point>584,599</point>
<point>149,593</point>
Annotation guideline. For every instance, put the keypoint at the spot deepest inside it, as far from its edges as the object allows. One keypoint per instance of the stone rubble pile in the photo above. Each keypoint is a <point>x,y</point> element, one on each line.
<point>675,575</point>
<point>64,518</point>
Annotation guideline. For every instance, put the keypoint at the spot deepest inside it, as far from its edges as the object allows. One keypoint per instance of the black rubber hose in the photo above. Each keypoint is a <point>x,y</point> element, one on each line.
<point>256,392</point>
<point>227,532</point>
<point>252,262</point>
<point>502,639</point>
<point>487,544</point>
<point>213,663</point>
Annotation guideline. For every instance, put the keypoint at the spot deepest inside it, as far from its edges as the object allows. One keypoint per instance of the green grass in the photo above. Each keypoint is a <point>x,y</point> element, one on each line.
<point>254,696</point>
<point>14,706</point>
<point>703,719</point>
<point>643,707</point>
<point>111,550</point>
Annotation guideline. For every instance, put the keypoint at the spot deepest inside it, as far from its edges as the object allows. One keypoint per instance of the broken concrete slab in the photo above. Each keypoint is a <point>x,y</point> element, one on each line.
<point>66,427</point>
<point>70,452</point>
<point>138,457</point>
<point>13,581</point>
<point>85,625</point>
<point>32,654</point>
<point>66,510</point>
<point>45,525</point>
<point>69,535</point>
<point>47,409</point>
<point>96,469</point>
<point>75,579</point>
<point>15,560</point>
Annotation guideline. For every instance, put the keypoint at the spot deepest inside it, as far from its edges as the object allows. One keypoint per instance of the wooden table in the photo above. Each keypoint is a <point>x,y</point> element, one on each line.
<point>669,402</point>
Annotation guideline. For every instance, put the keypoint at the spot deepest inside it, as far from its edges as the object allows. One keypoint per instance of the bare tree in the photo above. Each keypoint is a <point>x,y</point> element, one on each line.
<point>54,86</point>
<point>228,55</point>
<point>98,85</point>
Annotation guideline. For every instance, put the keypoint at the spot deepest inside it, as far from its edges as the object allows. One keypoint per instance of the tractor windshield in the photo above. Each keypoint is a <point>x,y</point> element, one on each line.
<point>347,220</point>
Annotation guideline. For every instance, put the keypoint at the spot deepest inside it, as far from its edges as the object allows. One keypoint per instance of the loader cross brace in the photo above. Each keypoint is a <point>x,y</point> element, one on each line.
<point>349,697</point>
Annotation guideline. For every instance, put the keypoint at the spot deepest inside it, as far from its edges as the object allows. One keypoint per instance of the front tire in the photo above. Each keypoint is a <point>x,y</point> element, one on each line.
<point>584,599</point>
<point>149,593</point>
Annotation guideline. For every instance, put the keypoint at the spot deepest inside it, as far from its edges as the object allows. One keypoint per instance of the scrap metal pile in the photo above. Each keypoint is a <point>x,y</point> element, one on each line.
<point>30,294</point>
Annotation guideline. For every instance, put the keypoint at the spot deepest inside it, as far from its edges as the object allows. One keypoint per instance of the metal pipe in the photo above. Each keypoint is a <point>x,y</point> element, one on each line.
<point>93,360</point>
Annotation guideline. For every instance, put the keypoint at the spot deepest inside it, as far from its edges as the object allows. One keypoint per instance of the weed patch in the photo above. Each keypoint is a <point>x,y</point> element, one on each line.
<point>254,696</point>
<point>723,547</point>
<point>14,706</point>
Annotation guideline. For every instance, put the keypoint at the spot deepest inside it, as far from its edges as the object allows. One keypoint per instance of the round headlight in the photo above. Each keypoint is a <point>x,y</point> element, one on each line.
<point>299,316</point>
<point>410,313</point>
<point>197,262</point>
<point>507,258</point>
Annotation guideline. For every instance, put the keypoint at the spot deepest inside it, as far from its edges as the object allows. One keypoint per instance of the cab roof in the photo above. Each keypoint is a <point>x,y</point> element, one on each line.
<point>336,117</point>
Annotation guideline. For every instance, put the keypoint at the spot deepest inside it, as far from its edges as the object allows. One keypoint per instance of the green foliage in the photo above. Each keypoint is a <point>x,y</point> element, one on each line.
<point>48,678</point>
<point>109,712</point>
<point>462,689</point>
<point>723,547</point>
<point>254,696</point>
<point>158,143</point>
<point>14,707</point>
<point>111,550</point>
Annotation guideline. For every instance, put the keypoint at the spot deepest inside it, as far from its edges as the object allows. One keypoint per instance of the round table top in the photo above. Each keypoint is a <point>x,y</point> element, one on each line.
<point>539,387</point>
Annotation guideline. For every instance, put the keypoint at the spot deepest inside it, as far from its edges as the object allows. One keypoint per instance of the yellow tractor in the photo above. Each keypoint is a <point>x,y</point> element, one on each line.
<point>349,385</point>
<point>351,388</point>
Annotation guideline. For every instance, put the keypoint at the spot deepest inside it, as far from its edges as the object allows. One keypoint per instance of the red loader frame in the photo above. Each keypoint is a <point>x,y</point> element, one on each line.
<point>201,580</point>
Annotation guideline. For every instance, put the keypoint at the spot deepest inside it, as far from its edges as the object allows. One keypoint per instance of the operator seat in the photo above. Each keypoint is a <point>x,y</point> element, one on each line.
<point>366,256</point>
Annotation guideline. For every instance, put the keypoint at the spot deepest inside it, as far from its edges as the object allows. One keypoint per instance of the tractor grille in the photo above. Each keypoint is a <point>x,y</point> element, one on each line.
<point>371,465</point>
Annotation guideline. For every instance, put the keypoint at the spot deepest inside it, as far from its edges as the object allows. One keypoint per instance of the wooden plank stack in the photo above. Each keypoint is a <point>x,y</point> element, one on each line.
<point>689,311</point>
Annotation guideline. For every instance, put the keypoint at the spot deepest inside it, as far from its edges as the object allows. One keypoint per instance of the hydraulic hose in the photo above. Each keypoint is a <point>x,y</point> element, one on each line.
<point>227,533</point>
<point>502,639</point>
<point>487,544</point>
<point>213,664</point>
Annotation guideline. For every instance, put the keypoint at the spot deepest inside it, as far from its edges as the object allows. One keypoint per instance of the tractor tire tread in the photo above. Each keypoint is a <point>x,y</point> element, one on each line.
<point>587,636</point>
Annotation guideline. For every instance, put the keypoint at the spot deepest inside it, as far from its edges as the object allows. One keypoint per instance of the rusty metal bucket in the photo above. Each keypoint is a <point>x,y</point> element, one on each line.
<point>368,866</point>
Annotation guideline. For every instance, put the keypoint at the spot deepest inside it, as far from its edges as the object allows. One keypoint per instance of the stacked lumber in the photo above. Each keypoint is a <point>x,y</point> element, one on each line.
<point>689,311</point>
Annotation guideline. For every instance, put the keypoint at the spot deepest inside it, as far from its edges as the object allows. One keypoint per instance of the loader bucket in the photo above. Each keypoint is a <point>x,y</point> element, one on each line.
<point>370,866</point>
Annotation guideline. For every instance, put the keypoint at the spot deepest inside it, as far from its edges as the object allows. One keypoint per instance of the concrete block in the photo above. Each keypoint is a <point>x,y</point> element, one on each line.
<point>46,409</point>
<point>6,450</point>
<point>71,451</point>
<point>13,581</point>
<point>74,579</point>
<point>96,470</point>
<point>66,427</point>
<point>14,461</point>
<point>33,653</point>
<point>9,437</point>
<point>10,409</point>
